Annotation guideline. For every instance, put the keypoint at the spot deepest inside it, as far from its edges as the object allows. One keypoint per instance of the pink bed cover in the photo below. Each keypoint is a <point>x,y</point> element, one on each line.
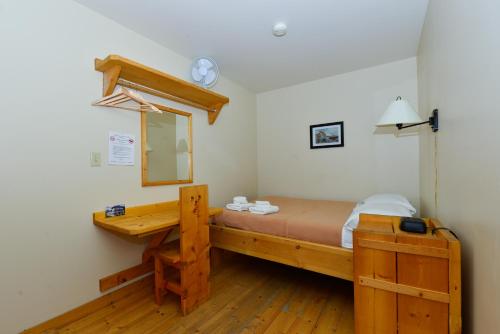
<point>317,221</point>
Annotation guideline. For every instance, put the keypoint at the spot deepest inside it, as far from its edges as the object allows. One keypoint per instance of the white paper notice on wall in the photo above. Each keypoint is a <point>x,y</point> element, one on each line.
<point>121,149</point>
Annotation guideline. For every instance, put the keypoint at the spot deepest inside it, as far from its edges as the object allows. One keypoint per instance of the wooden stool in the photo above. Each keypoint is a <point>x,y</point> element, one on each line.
<point>189,254</point>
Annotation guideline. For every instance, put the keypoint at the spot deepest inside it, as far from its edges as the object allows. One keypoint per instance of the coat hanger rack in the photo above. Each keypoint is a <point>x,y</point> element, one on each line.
<point>121,71</point>
<point>123,95</point>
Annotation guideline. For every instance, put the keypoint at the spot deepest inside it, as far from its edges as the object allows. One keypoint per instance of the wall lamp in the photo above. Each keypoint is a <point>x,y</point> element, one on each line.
<point>402,115</point>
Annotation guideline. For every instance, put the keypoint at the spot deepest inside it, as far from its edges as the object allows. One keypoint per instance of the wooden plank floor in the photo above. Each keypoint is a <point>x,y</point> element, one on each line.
<point>248,296</point>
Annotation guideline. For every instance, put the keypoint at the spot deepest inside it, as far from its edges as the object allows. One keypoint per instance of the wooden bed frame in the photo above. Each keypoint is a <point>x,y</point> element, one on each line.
<point>324,259</point>
<point>329,260</point>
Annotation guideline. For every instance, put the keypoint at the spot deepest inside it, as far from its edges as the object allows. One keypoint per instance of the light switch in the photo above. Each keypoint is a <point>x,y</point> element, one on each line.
<point>95,159</point>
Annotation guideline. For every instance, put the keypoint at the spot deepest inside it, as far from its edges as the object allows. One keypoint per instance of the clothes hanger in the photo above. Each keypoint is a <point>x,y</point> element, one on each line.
<point>123,95</point>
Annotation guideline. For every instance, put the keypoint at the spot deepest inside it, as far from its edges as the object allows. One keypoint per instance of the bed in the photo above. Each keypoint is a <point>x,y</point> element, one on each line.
<point>305,234</point>
<point>310,234</point>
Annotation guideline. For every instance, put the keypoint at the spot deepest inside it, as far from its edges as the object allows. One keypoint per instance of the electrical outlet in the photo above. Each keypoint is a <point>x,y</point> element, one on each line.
<point>95,159</point>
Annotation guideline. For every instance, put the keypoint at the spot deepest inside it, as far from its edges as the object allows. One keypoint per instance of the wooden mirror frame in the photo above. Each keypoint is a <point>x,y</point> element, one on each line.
<point>144,158</point>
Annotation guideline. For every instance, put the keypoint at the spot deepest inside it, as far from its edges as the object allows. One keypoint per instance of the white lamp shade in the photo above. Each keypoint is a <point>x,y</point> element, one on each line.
<point>399,112</point>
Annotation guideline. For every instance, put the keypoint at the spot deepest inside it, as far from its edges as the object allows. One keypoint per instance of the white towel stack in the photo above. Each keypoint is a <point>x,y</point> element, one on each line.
<point>240,203</point>
<point>240,200</point>
<point>263,208</point>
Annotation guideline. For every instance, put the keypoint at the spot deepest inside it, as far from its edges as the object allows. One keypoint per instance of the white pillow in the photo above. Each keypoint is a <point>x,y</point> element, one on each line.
<point>386,209</point>
<point>389,198</point>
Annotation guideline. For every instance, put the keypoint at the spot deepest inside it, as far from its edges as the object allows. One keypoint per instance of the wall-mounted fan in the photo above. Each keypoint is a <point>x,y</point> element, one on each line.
<point>205,71</point>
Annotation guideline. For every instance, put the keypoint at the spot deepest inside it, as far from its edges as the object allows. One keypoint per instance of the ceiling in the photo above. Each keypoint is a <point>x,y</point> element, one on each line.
<point>325,37</point>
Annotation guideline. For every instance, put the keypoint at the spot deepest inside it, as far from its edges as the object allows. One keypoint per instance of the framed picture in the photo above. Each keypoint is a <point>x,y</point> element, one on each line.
<point>327,135</point>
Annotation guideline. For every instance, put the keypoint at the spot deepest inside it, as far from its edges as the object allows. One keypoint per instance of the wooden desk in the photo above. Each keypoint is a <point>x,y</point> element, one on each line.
<point>153,220</point>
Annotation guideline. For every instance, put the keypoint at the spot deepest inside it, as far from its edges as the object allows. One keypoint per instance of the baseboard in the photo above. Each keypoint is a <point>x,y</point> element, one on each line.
<point>92,306</point>
<point>126,275</point>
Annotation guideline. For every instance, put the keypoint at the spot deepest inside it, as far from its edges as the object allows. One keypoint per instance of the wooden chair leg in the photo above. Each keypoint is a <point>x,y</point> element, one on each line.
<point>184,309</point>
<point>216,256</point>
<point>187,305</point>
<point>159,281</point>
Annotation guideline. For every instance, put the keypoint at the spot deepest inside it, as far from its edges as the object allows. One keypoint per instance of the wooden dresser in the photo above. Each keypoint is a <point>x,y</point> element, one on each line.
<point>405,282</point>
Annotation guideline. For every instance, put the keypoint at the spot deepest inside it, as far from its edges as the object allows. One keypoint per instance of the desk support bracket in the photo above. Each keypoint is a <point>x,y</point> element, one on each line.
<point>144,268</point>
<point>154,243</point>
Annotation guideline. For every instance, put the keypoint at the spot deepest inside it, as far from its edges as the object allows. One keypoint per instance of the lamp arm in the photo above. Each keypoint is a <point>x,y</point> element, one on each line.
<point>433,122</point>
<point>401,126</point>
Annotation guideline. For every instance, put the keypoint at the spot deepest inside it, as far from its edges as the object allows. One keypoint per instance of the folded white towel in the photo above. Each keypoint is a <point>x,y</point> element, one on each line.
<point>264,210</point>
<point>239,207</point>
<point>262,203</point>
<point>240,200</point>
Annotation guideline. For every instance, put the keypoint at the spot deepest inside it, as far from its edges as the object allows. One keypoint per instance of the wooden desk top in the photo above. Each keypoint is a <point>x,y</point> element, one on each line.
<point>145,220</point>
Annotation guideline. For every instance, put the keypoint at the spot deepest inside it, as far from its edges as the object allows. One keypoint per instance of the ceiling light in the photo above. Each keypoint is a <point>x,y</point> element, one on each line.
<point>279,29</point>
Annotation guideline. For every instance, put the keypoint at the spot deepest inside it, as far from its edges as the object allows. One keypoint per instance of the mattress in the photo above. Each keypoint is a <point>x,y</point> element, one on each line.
<point>317,221</point>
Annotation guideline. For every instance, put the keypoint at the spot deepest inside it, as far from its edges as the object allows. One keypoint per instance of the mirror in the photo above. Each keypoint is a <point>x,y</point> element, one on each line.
<point>166,147</point>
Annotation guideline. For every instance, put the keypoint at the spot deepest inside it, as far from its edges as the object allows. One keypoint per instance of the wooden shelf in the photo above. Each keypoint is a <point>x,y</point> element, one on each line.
<point>119,70</point>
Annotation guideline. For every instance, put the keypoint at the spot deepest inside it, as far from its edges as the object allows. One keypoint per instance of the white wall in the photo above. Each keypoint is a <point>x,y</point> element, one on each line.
<point>458,72</point>
<point>51,255</point>
<point>367,164</point>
